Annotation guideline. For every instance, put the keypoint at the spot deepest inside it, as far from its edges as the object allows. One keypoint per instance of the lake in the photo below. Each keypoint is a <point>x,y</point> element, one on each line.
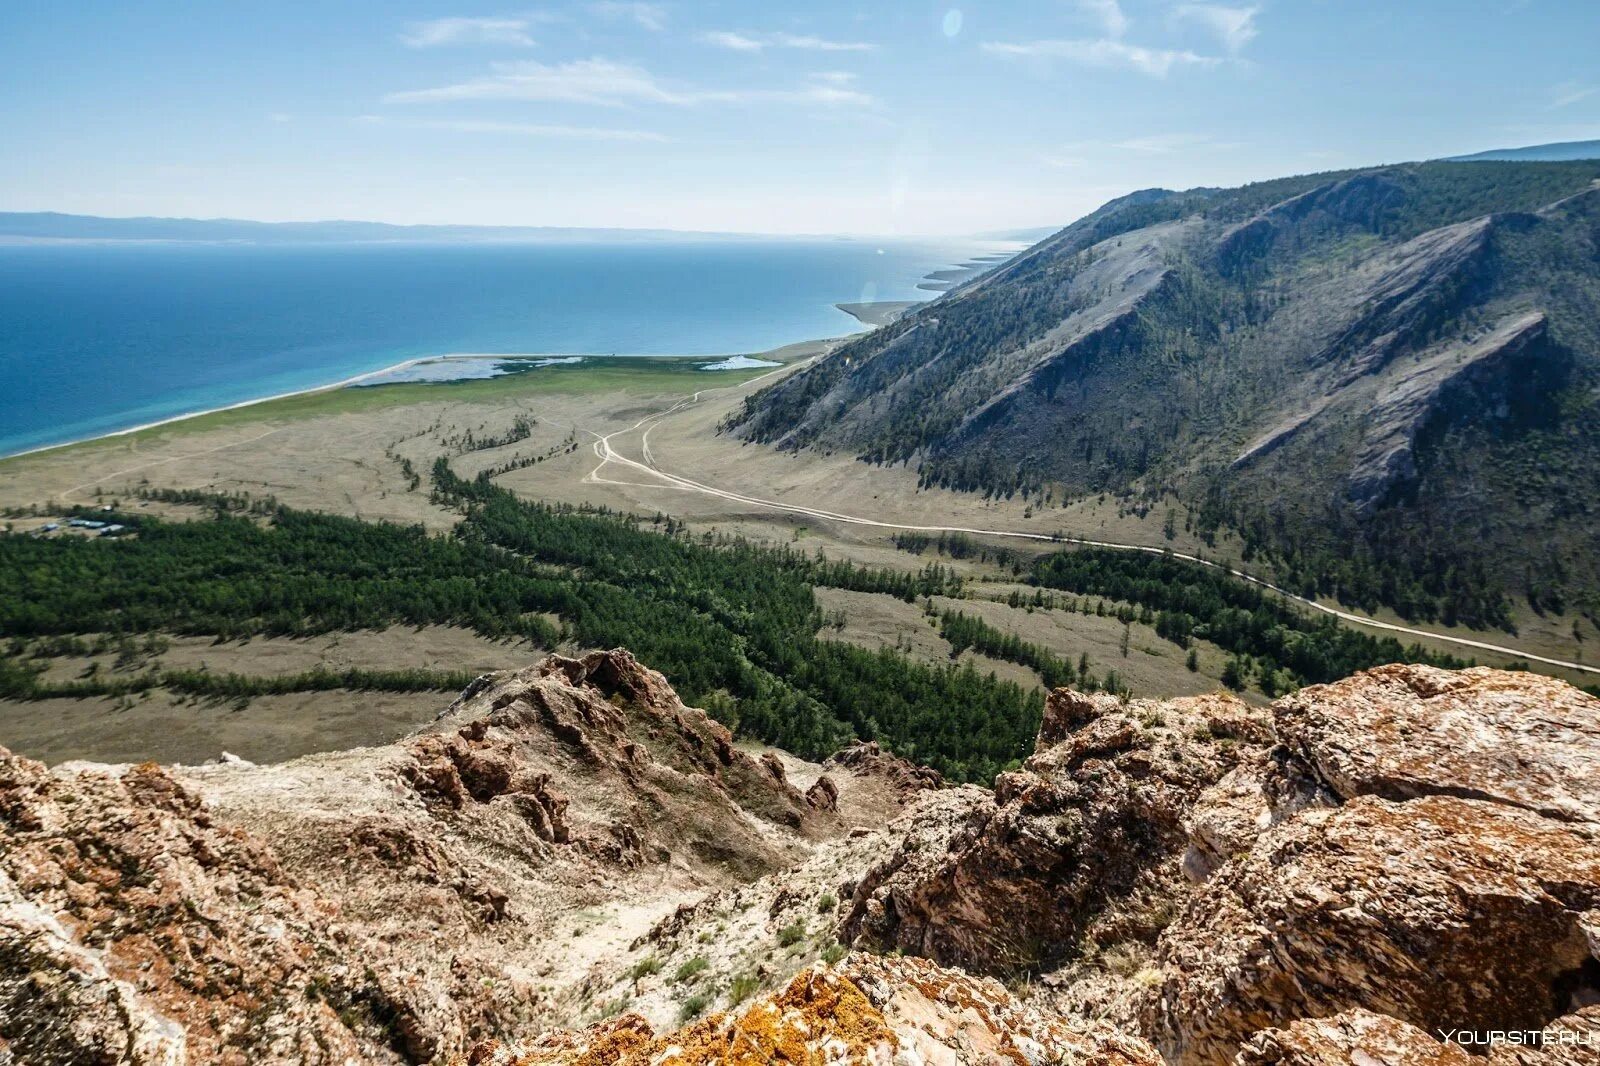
<point>100,337</point>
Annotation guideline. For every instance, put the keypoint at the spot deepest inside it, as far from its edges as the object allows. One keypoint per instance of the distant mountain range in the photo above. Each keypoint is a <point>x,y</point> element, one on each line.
<point>1536,153</point>
<point>1386,380</point>
<point>50,225</point>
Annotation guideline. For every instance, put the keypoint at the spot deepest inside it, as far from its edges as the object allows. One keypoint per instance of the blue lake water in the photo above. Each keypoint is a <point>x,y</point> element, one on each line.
<point>95,338</point>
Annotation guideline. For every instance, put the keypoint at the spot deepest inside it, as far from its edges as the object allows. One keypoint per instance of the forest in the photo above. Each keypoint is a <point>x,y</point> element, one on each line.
<point>1270,639</point>
<point>732,625</point>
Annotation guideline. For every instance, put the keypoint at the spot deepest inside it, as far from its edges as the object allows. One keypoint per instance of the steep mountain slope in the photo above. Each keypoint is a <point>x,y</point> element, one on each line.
<point>1387,380</point>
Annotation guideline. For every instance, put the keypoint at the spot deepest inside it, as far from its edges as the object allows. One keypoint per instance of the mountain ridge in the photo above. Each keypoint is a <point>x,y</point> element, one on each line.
<point>1277,359</point>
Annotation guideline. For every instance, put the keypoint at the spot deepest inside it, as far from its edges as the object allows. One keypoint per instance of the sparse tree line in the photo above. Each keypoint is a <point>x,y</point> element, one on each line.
<point>729,623</point>
<point>1268,638</point>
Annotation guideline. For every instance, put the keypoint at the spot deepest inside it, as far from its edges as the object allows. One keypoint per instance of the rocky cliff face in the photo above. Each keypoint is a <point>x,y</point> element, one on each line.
<point>572,867</point>
<point>392,903</point>
<point>1092,823</point>
<point>1451,881</point>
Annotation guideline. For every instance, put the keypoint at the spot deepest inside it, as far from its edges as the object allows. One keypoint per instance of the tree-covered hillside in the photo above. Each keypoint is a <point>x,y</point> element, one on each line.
<point>1387,380</point>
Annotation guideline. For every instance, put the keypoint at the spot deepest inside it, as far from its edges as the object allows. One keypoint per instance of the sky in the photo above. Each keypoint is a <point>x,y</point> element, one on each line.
<point>896,118</point>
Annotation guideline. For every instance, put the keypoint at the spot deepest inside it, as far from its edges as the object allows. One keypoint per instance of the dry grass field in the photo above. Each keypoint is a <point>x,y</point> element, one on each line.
<point>365,452</point>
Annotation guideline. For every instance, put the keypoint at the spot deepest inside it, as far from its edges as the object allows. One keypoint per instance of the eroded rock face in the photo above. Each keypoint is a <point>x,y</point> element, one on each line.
<point>1333,882</point>
<point>1407,731</point>
<point>1425,847</point>
<point>662,779</point>
<point>1347,1038</point>
<point>867,759</point>
<point>135,929</point>
<point>1089,832</point>
<point>1442,912</point>
<point>378,904</point>
<point>867,1010</point>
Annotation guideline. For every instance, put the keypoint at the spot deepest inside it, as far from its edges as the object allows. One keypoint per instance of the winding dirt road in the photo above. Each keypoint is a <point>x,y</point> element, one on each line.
<point>606,452</point>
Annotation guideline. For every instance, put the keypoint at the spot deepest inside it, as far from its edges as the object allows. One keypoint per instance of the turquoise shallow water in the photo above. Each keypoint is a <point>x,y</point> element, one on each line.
<point>96,338</point>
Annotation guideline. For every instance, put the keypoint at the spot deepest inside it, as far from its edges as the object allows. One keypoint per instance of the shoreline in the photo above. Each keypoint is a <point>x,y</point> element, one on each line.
<point>169,420</point>
<point>350,382</point>
<point>969,268</point>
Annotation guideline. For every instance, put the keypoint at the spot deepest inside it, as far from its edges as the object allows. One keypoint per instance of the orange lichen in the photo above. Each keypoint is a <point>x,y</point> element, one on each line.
<point>820,1018</point>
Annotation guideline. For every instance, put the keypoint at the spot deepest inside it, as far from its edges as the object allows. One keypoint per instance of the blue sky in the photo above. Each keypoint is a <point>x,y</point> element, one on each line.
<point>894,118</point>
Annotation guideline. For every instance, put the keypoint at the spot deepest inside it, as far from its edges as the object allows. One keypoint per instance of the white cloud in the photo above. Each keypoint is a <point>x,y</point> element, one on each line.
<point>756,42</point>
<point>1571,92</point>
<point>608,84</point>
<point>1108,13</point>
<point>448,31</point>
<point>835,77</point>
<point>1234,27</point>
<point>1105,53</point>
<point>1079,153</point>
<point>736,42</point>
<point>650,16</point>
<point>1163,143</point>
<point>522,129</point>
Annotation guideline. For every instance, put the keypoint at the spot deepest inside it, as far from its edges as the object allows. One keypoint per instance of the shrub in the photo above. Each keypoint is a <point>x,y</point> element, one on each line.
<point>741,988</point>
<point>691,969</point>
<point>693,1007</point>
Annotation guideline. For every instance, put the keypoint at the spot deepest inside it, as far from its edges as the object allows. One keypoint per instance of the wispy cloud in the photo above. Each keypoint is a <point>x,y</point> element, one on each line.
<point>1163,143</point>
<point>1079,153</point>
<point>519,129</point>
<point>756,42</point>
<point>650,16</point>
<point>1234,27</point>
<point>1571,92</point>
<point>436,33</point>
<point>1106,54</point>
<point>608,84</point>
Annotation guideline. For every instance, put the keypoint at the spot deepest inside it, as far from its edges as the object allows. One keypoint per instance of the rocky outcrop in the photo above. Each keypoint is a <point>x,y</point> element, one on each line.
<point>1441,912</point>
<point>867,1010</point>
<point>1341,881</point>
<point>135,928</point>
<point>1407,731</point>
<point>1425,847</point>
<point>1089,834</point>
<point>385,903</point>
<point>867,759</point>
<point>1357,1036</point>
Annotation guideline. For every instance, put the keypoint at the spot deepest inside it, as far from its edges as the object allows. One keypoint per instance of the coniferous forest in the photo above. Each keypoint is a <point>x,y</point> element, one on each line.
<point>734,626</point>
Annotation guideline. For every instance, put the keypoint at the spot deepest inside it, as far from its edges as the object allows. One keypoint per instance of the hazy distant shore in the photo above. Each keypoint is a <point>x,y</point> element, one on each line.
<point>435,369</point>
<point>395,372</point>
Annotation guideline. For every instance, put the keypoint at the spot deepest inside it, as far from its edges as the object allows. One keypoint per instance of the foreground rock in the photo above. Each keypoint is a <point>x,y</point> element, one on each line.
<point>395,903</point>
<point>1426,849</point>
<point>868,1010</point>
<point>1087,838</point>
<point>1445,913</point>
<point>134,928</point>
<point>572,867</point>
<point>1406,731</point>
<point>1356,1036</point>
